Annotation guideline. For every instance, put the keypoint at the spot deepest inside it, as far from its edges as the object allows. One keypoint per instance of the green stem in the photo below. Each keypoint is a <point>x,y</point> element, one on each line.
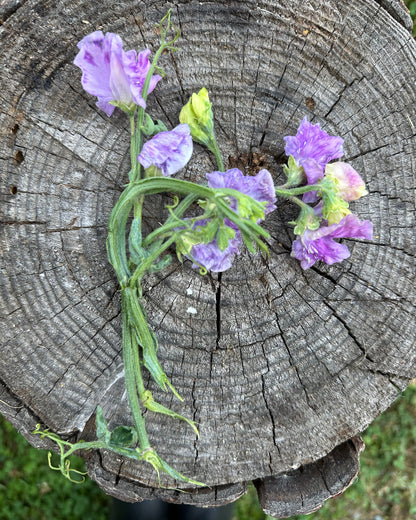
<point>133,156</point>
<point>300,203</point>
<point>217,154</point>
<point>129,345</point>
<point>297,191</point>
<point>93,445</point>
<point>142,268</point>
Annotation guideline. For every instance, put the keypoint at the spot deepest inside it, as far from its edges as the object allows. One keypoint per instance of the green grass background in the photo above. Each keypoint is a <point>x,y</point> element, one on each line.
<point>385,489</point>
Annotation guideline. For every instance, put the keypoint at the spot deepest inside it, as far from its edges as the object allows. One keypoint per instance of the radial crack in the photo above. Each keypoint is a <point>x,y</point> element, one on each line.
<point>218,309</point>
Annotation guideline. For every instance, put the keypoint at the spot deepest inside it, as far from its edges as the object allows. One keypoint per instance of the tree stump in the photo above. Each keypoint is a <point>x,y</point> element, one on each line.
<point>279,367</point>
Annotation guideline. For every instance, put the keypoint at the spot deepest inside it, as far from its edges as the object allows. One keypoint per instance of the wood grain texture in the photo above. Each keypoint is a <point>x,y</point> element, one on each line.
<point>305,490</point>
<point>279,366</point>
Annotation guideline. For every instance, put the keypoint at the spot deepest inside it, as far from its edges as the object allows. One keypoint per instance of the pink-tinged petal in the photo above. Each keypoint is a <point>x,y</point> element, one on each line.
<point>351,227</point>
<point>169,151</point>
<point>310,142</point>
<point>350,185</point>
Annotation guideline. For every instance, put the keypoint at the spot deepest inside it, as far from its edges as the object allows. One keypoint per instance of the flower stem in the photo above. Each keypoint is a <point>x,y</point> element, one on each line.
<point>217,154</point>
<point>297,191</point>
<point>142,268</point>
<point>171,221</point>
<point>130,368</point>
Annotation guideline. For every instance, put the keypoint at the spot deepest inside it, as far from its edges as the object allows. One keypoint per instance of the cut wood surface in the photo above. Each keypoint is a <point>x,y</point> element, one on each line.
<point>278,366</point>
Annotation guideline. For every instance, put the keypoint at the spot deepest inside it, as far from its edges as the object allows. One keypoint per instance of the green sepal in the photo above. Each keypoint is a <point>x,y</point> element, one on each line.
<point>150,128</point>
<point>295,174</point>
<point>130,110</point>
<point>149,403</point>
<point>152,171</point>
<point>224,235</point>
<point>208,233</point>
<point>334,207</point>
<point>124,437</point>
<point>306,220</point>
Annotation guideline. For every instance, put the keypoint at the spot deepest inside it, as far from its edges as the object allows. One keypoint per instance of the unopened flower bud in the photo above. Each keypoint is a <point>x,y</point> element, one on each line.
<point>349,184</point>
<point>197,113</point>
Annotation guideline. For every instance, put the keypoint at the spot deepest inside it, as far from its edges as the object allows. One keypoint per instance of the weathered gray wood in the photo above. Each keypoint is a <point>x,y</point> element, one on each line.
<point>305,490</point>
<point>398,10</point>
<point>301,361</point>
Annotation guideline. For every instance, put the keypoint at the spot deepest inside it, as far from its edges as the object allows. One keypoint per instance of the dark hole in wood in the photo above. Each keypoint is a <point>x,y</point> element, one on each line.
<point>310,103</point>
<point>13,190</point>
<point>14,129</point>
<point>19,157</point>
<point>251,163</point>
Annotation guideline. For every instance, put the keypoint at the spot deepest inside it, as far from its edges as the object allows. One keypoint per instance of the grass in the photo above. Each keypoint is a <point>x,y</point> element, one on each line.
<point>29,490</point>
<point>411,5</point>
<point>385,489</point>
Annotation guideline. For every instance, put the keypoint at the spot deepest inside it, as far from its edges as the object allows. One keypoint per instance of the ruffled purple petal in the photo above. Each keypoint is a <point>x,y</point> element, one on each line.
<point>212,258</point>
<point>319,244</point>
<point>260,187</point>
<point>169,151</point>
<point>137,70</point>
<point>349,227</point>
<point>93,59</point>
<point>324,249</point>
<point>313,171</point>
<point>310,142</point>
<point>112,74</point>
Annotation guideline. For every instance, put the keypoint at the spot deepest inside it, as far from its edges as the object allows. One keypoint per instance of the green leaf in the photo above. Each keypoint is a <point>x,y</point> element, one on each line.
<point>123,437</point>
<point>166,260</point>
<point>103,433</point>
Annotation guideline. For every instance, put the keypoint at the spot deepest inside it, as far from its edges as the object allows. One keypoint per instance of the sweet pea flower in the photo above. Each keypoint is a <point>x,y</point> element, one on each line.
<point>313,148</point>
<point>349,184</point>
<point>112,74</point>
<point>169,151</point>
<point>261,188</point>
<point>210,255</point>
<point>316,245</point>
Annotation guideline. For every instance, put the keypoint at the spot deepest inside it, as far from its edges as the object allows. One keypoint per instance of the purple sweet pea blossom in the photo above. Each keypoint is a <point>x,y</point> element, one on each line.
<point>112,74</point>
<point>313,148</point>
<point>320,244</point>
<point>210,255</point>
<point>260,188</point>
<point>169,151</point>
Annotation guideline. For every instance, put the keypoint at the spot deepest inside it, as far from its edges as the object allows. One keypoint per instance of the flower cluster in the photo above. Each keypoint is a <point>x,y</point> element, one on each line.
<point>259,187</point>
<point>337,183</point>
<point>231,208</point>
